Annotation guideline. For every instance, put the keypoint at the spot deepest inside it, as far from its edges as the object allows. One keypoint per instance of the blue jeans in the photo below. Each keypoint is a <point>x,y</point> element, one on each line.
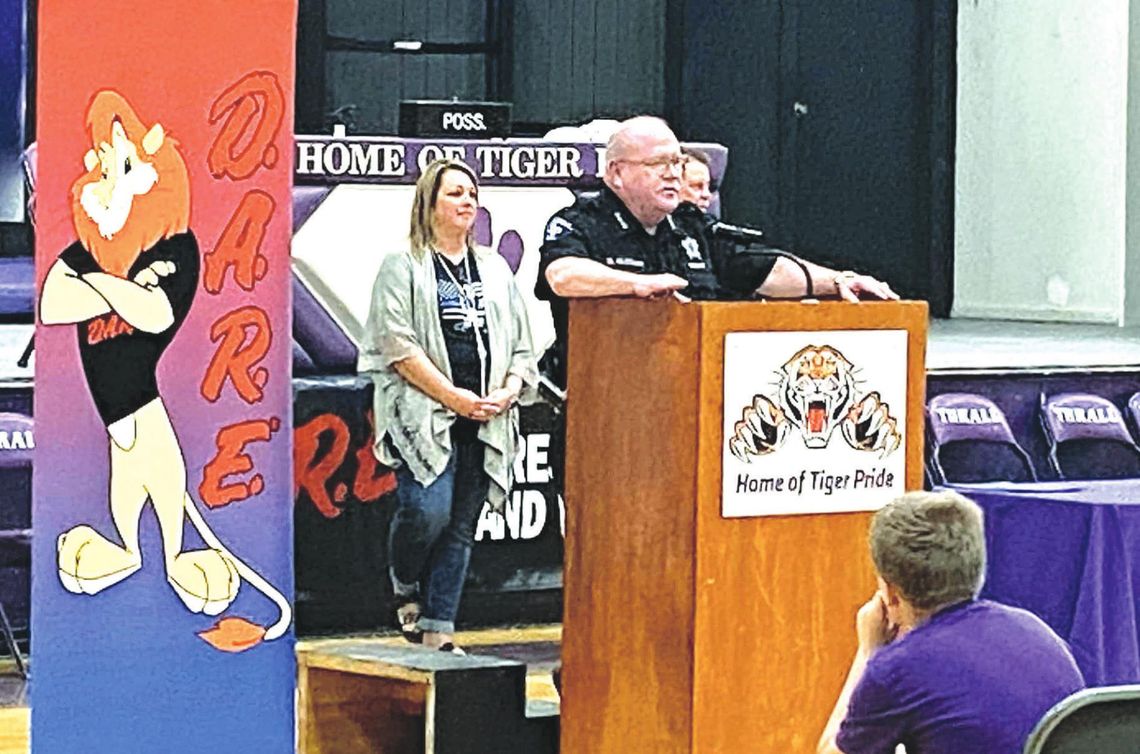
<point>432,532</point>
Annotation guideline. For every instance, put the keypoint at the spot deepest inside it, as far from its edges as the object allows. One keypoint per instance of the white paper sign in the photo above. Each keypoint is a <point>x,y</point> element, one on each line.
<point>814,422</point>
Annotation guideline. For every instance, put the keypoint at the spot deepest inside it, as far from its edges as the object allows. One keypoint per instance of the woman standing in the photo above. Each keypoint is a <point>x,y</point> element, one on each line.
<point>449,350</point>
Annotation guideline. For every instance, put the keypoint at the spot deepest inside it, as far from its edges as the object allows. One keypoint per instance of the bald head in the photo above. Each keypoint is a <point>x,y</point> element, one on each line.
<point>634,132</point>
<point>643,165</point>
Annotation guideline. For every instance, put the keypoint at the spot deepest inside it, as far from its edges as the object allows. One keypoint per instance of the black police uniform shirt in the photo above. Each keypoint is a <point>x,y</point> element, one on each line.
<point>741,268</point>
<point>119,361</point>
<point>463,317</point>
<point>601,228</point>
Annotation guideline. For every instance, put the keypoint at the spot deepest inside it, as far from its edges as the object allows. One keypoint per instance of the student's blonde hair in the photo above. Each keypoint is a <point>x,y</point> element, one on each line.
<point>932,546</point>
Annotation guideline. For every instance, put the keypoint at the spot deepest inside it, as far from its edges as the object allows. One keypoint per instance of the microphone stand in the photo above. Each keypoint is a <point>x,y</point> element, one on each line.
<point>748,236</point>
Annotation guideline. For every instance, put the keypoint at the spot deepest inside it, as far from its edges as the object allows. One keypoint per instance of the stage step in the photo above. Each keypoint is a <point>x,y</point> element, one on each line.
<point>375,696</point>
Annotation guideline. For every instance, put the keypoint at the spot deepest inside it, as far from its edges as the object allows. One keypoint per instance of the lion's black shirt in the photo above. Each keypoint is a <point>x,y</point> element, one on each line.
<point>119,360</point>
<point>600,227</point>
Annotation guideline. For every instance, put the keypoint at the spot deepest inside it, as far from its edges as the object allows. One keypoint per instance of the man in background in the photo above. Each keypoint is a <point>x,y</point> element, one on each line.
<point>696,179</point>
<point>938,670</point>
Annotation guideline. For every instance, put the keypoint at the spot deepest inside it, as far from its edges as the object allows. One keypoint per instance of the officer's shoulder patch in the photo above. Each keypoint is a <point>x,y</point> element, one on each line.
<point>557,227</point>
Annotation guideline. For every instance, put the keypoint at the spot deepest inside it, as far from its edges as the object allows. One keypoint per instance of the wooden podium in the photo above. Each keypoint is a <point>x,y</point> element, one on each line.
<point>685,631</point>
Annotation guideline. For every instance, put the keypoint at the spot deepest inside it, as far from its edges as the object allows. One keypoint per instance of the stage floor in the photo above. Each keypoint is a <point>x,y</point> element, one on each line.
<point>537,646</point>
<point>957,346</point>
<point>14,719</point>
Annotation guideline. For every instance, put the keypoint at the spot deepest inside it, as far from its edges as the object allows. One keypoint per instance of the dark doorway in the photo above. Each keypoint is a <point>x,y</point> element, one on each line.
<point>837,120</point>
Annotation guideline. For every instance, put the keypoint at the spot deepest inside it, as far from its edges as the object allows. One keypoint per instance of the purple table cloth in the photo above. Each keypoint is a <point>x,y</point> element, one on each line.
<point>1070,552</point>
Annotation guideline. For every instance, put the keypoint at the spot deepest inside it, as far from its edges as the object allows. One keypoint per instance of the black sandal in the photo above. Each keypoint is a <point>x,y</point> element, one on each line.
<point>407,616</point>
<point>450,647</point>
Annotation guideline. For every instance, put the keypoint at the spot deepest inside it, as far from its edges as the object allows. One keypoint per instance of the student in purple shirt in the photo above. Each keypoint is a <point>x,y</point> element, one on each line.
<point>938,670</point>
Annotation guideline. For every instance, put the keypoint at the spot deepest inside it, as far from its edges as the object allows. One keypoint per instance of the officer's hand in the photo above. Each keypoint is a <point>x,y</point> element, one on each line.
<point>852,287</point>
<point>656,286</point>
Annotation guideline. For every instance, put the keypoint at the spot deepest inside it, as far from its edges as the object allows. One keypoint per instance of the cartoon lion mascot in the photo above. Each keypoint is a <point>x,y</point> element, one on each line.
<point>127,284</point>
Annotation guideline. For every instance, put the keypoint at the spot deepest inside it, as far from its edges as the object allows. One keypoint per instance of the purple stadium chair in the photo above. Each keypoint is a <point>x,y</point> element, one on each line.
<point>1105,720</point>
<point>17,440</point>
<point>17,288</point>
<point>1134,412</point>
<point>970,441</point>
<point>1087,438</point>
<point>17,445</point>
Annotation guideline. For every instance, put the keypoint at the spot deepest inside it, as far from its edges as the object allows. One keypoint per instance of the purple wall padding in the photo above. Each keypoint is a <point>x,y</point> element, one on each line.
<point>511,249</point>
<point>483,230</point>
<point>318,335</point>
<point>302,362</point>
<point>306,199</point>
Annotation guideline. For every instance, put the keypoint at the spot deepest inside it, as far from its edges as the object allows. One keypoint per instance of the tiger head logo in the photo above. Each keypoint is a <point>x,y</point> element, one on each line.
<point>817,389</point>
<point>816,392</point>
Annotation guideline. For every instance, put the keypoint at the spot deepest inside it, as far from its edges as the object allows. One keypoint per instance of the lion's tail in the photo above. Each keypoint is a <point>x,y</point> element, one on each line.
<point>253,577</point>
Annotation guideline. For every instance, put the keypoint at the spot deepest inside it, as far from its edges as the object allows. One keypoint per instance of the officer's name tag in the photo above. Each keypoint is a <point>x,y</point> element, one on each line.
<point>697,265</point>
<point>625,262</point>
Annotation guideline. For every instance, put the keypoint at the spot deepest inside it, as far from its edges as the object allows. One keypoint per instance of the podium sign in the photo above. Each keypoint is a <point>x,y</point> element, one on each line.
<point>814,422</point>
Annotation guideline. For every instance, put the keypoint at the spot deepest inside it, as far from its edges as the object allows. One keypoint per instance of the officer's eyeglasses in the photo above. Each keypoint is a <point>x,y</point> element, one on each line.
<point>663,165</point>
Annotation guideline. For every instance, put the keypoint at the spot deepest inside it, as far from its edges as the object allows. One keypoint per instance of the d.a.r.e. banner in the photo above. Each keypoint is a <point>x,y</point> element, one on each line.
<point>162,563</point>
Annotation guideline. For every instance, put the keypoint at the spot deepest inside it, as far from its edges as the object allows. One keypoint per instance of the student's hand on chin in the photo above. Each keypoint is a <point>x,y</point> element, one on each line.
<point>872,626</point>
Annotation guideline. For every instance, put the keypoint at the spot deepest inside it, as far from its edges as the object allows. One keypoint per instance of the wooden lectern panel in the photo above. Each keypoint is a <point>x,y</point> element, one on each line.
<point>777,595</point>
<point>685,631</point>
<point>632,478</point>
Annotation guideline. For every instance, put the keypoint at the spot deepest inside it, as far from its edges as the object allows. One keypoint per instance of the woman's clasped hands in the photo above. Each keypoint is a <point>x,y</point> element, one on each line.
<point>469,404</point>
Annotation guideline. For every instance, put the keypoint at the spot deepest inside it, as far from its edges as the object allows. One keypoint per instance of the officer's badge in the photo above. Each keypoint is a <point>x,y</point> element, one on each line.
<point>692,247</point>
<point>556,227</point>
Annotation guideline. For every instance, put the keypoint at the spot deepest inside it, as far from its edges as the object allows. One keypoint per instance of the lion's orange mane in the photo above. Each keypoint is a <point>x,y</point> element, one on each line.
<point>162,212</point>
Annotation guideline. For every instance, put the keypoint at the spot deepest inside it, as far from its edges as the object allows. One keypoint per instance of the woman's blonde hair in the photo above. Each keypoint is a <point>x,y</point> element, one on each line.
<point>423,204</point>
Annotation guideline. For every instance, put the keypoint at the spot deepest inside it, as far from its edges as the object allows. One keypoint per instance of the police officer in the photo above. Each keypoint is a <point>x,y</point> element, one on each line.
<point>626,241</point>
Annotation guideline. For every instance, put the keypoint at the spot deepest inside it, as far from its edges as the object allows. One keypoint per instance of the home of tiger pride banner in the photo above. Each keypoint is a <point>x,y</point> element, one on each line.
<point>162,555</point>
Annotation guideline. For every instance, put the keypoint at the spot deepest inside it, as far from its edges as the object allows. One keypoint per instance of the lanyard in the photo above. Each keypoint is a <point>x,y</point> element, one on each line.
<point>470,313</point>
